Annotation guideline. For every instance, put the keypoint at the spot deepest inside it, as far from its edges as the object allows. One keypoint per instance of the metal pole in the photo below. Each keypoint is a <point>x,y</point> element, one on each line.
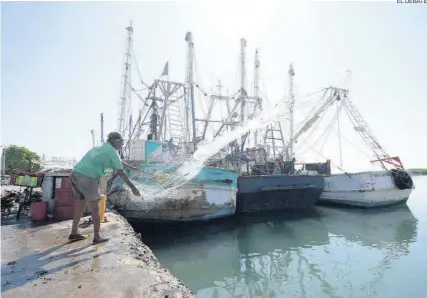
<point>256,92</point>
<point>121,125</point>
<point>189,84</point>
<point>291,114</point>
<point>102,127</point>
<point>193,116</point>
<point>3,161</point>
<point>242,79</point>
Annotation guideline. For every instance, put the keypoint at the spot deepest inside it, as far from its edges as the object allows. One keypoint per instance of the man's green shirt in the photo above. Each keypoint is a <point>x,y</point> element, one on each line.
<point>98,160</point>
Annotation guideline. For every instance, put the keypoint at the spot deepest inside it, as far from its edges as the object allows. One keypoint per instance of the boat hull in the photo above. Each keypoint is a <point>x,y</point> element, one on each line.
<point>277,192</point>
<point>367,190</point>
<point>193,201</point>
<point>190,203</point>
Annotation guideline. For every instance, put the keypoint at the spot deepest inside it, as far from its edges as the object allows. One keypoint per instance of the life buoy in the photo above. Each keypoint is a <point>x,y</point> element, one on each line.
<point>401,179</point>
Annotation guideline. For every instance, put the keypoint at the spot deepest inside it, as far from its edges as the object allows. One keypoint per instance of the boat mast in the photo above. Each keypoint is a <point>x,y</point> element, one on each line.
<point>242,97</point>
<point>153,133</point>
<point>125,89</point>
<point>290,154</point>
<point>253,104</point>
<point>258,102</point>
<point>190,87</point>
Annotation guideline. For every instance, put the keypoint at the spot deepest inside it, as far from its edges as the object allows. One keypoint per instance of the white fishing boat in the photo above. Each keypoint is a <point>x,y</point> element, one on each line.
<point>368,189</point>
<point>392,185</point>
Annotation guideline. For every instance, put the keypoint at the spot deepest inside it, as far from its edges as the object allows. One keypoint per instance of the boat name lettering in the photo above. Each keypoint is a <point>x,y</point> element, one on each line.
<point>215,173</point>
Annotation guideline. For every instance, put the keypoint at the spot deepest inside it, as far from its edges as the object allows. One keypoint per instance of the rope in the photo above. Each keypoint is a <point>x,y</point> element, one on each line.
<point>200,88</point>
<point>311,113</point>
<point>336,117</point>
<point>339,131</point>
<point>338,134</point>
<point>136,65</point>
<point>312,129</point>
<point>355,147</point>
<point>339,168</point>
<point>139,96</point>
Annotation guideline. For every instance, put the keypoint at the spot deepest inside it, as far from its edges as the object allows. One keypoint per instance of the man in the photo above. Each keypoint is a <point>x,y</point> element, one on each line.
<point>85,182</point>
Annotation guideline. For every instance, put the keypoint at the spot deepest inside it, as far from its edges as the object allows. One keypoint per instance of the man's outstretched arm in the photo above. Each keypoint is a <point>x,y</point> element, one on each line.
<point>128,166</point>
<point>126,179</point>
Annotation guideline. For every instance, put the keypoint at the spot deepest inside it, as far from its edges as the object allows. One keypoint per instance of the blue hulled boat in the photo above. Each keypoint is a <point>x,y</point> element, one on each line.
<point>210,194</point>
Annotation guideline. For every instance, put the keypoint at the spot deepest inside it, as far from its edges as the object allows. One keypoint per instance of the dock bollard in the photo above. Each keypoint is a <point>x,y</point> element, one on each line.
<point>102,206</point>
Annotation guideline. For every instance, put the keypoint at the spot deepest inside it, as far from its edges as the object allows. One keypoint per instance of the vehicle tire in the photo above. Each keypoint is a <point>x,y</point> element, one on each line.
<point>401,179</point>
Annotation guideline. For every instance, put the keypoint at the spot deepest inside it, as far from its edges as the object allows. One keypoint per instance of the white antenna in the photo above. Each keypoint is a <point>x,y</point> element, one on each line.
<point>93,137</point>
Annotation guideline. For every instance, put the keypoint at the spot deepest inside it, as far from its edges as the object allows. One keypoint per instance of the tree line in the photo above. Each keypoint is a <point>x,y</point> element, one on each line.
<point>419,171</point>
<point>16,157</point>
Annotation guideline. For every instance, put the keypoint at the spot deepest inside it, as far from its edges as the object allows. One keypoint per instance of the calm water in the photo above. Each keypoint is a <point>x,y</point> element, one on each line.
<point>326,252</point>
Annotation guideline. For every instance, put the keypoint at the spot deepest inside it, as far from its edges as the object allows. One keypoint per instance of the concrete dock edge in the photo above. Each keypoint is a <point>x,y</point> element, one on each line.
<point>38,261</point>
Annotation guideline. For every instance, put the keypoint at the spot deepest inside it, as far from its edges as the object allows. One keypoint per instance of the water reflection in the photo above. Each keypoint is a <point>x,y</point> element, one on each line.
<point>322,253</point>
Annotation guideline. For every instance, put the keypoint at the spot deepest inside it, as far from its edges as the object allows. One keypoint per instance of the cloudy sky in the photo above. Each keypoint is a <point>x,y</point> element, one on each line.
<point>62,63</point>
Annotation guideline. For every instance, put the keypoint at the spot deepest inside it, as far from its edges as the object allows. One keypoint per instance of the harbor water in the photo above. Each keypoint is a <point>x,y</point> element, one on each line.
<point>322,252</point>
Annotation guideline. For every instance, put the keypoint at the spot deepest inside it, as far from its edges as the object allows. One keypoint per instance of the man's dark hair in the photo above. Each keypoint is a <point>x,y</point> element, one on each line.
<point>114,136</point>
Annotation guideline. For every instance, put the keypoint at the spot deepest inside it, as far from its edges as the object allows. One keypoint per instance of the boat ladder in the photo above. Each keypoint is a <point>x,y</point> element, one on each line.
<point>175,121</point>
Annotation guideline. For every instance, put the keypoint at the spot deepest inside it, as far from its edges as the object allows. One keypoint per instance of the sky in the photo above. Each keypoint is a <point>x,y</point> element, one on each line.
<point>61,63</point>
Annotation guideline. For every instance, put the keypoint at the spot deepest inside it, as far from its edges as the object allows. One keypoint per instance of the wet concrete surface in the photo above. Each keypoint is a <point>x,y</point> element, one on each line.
<point>38,261</point>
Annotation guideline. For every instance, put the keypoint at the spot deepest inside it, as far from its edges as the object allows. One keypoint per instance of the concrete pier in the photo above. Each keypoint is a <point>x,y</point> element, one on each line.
<point>38,261</point>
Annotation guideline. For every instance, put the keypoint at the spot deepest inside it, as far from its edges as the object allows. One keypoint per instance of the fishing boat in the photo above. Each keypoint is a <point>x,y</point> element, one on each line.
<point>210,194</point>
<point>392,185</point>
<point>368,189</point>
<point>159,143</point>
<point>171,112</point>
<point>270,186</point>
<point>267,179</point>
